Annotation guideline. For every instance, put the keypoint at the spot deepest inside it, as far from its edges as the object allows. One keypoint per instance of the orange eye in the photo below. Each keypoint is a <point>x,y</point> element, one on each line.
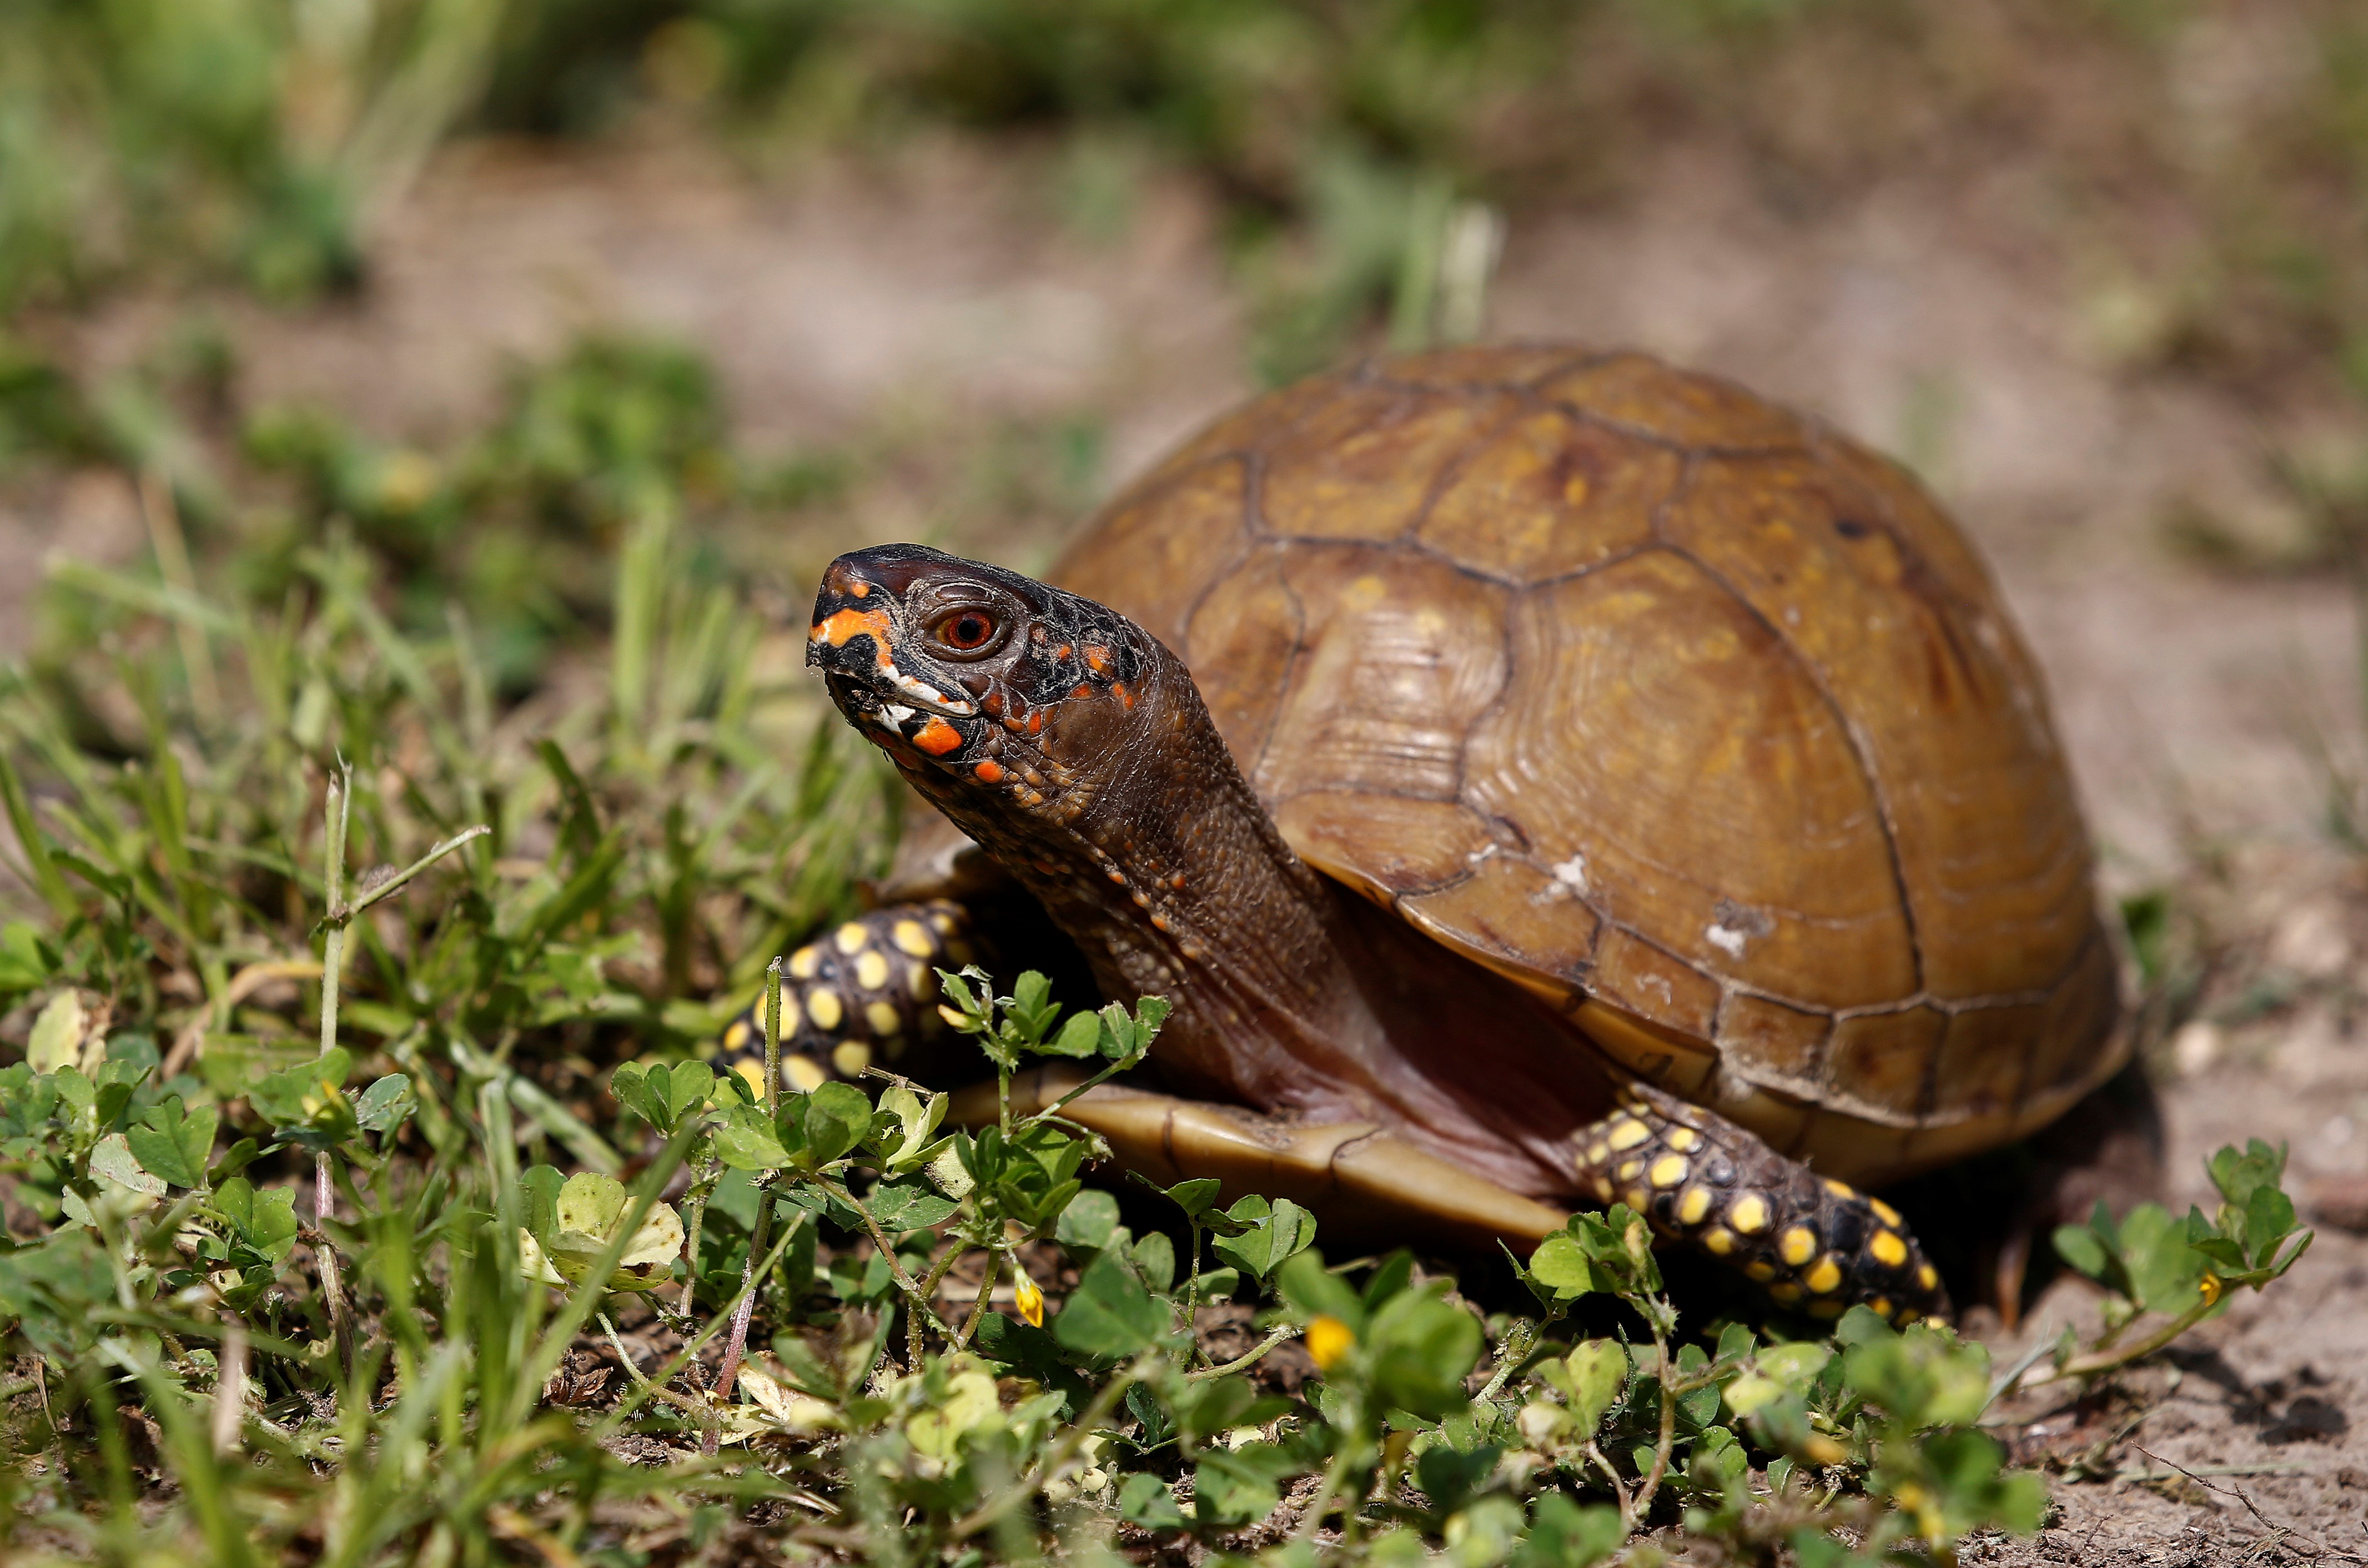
<point>971,630</point>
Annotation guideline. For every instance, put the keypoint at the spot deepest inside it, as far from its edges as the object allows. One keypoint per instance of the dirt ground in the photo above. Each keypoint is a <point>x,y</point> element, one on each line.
<point>1943,323</point>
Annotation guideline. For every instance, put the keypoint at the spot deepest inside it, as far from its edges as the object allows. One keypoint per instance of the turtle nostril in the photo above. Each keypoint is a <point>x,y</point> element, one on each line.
<point>844,579</point>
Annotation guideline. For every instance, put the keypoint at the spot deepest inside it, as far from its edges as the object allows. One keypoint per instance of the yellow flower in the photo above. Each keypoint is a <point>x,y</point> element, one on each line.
<point>1329,1341</point>
<point>2210,1286</point>
<point>1031,1299</point>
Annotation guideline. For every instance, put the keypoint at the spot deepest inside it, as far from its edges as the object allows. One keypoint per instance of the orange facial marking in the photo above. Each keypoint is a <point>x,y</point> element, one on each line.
<point>861,590</point>
<point>1061,652</point>
<point>938,737</point>
<point>1125,698</point>
<point>989,772</point>
<point>835,630</point>
<point>1082,691</point>
<point>1097,659</point>
<point>1036,723</point>
<point>993,703</point>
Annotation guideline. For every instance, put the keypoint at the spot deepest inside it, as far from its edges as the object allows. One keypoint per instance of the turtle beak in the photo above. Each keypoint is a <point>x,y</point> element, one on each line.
<point>859,641</point>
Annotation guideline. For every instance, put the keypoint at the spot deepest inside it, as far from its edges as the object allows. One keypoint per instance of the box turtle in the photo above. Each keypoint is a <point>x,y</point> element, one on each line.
<point>1537,777</point>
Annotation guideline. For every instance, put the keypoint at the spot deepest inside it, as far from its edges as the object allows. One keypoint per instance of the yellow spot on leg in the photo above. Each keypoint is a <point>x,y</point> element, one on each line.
<point>823,1006</point>
<point>1693,1205</point>
<point>1636,1197</point>
<point>882,1017</point>
<point>1598,1152</point>
<point>872,972</point>
<point>1628,1169</point>
<point>1797,1244</point>
<point>805,961</point>
<point>1628,1134</point>
<point>754,1071</point>
<point>1840,1188</point>
<point>1668,1170</point>
<point>1929,1277</point>
<point>913,937</point>
<point>737,1035</point>
<point>1748,1214</point>
<point>1882,1305</point>
<point>1888,1249</point>
<point>1883,1211</point>
<point>1762,1272</point>
<point>851,1057</point>
<point>804,1074</point>
<point>1718,1240</point>
<point>853,937</point>
<point>1825,1277</point>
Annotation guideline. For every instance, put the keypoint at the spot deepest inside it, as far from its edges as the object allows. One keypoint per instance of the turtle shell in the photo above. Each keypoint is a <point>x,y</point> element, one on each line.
<point>1693,717</point>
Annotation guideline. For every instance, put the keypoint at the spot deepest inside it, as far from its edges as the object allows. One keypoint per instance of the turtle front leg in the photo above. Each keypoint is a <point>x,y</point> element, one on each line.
<point>1811,1243</point>
<point>863,993</point>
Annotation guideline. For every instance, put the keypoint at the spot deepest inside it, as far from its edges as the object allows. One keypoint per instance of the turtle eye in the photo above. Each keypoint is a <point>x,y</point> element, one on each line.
<point>967,630</point>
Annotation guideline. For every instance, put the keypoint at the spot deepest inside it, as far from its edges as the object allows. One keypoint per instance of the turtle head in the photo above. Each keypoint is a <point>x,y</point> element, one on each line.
<point>976,678</point>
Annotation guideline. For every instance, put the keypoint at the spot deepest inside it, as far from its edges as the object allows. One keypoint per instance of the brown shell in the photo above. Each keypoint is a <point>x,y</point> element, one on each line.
<point>1689,714</point>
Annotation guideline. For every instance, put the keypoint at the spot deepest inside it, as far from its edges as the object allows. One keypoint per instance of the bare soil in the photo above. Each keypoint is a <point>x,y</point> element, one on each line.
<point>1951,323</point>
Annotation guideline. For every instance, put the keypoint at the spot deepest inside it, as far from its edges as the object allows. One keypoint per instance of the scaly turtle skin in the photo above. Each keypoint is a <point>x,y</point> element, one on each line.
<point>1537,778</point>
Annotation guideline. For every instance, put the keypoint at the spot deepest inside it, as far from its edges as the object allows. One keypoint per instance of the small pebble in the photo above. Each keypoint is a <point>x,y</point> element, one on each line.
<point>2196,1046</point>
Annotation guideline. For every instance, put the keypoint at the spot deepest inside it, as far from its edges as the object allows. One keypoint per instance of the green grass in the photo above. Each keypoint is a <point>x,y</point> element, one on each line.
<point>360,995</point>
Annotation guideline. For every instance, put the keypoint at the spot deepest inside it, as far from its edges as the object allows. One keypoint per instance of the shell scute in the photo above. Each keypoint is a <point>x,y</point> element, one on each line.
<point>1880,1063</point>
<point>1784,1045</point>
<point>1676,406</point>
<point>1396,651</point>
<point>1503,905</point>
<point>1363,465</point>
<point>1165,537</point>
<point>1550,494</point>
<point>1430,843</point>
<point>1985,1051</point>
<point>1693,783</point>
<point>1638,977</point>
<point>1992,857</point>
<point>1497,366</point>
<point>1240,642</point>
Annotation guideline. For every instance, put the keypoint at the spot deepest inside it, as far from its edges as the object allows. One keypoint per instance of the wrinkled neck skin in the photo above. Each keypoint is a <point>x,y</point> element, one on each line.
<point>1291,996</point>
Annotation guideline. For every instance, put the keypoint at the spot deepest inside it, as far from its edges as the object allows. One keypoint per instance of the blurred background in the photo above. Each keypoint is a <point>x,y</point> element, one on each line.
<point>446,273</point>
<point>469,314</point>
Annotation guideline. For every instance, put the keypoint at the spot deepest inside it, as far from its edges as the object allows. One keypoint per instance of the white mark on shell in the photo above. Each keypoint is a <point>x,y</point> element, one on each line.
<point>1572,873</point>
<point>1733,926</point>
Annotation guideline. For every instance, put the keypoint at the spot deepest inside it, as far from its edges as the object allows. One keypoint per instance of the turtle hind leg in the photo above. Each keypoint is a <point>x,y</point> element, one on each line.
<point>1811,1243</point>
<point>860,995</point>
